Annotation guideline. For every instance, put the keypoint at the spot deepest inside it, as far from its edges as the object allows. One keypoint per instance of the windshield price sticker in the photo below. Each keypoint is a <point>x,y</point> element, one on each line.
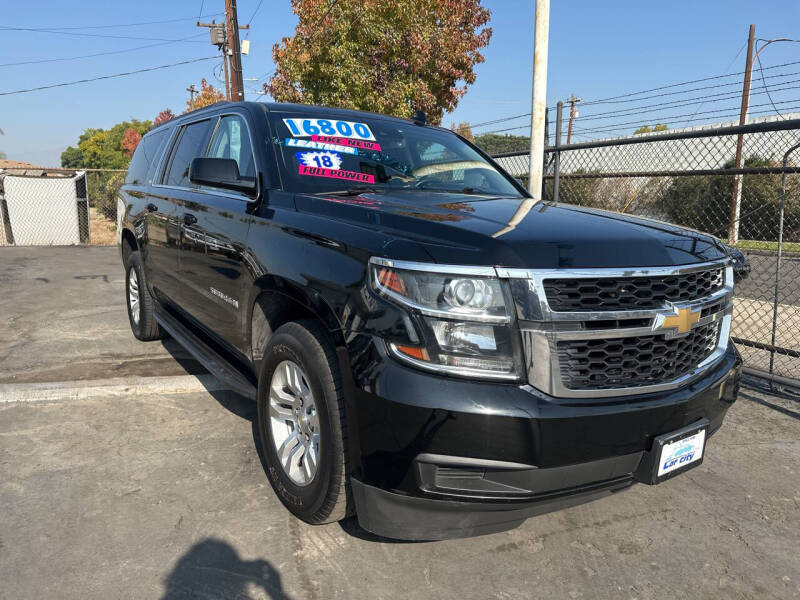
<point>360,144</point>
<point>336,174</point>
<point>326,127</point>
<point>311,145</point>
<point>328,160</point>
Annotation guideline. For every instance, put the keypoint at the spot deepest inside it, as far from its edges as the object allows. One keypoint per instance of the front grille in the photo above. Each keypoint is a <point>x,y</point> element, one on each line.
<point>600,364</point>
<point>631,293</point>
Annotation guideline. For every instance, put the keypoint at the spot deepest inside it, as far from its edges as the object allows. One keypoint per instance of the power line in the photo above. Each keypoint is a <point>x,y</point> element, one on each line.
<point>664,104</point>
<point>730,64</point>
<point>673,85</point>
<point>97,35</point>
<point>255,12</point>
<point>728,112</point>
<point>666,119</point>
<point>79,27</point>
<point>55,85</point>
<point>766,89</point>
<point>619,126</point>
<point>68,58</point>
<point>685,102</point>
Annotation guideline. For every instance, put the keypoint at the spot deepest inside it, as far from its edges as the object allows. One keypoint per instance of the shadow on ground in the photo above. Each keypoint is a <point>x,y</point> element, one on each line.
<point>213,569</point>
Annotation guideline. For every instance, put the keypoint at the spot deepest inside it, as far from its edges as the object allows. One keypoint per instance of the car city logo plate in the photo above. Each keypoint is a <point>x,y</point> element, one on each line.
<point>682,453</point>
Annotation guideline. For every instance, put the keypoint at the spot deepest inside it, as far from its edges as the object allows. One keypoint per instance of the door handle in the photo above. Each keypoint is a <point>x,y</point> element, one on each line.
<point>189,219</point>
<point>151,207</point>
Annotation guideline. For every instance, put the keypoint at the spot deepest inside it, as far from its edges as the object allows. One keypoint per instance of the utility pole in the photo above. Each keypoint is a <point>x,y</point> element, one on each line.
<point>736,201</point>
<point>538,117</point>
<point>572,114</point>
<point>227,77</point>
<point>234,51</point>
<point>539,97</point>
<point>219,38</point>
<point>192,91</point>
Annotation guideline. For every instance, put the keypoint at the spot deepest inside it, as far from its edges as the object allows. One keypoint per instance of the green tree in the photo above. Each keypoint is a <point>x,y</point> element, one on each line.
<point>647,129</point>
<point>494,143</point>
<point>703,202</point>
<point>388,57</point>
<point>104,149</point>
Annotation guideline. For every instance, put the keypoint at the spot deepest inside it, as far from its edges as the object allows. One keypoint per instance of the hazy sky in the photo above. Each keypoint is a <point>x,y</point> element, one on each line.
<point>597,49</point>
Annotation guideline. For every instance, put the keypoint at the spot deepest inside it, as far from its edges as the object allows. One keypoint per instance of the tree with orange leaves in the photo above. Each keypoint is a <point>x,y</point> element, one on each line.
<point>130,140</point>
<point>207,96</point>
<point>389,57</point>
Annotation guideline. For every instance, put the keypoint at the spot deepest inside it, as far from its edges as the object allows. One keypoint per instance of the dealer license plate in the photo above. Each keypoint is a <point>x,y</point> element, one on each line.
<point>681,453</point>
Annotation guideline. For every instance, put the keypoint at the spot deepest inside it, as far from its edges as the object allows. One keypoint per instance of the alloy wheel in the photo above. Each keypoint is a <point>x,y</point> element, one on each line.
<point>133,295</point>
<point>294,422</point>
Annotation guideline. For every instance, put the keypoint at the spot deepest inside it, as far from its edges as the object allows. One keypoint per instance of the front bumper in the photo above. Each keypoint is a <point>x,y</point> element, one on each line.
<point>438,457</point>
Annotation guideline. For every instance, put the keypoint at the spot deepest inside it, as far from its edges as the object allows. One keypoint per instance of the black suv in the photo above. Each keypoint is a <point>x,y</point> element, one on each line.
<point>428,347</point>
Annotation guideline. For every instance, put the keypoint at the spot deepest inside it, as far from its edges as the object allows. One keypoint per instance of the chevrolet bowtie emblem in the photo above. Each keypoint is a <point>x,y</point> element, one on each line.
<point>683,321</point>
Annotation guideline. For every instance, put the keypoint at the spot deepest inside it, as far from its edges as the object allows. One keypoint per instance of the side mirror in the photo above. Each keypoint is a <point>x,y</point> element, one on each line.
<point>741,266</point>
<point>220,173</point>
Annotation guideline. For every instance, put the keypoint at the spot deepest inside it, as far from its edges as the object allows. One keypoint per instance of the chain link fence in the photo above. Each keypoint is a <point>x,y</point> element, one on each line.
<point>43,207</point>
<point>690,178</point>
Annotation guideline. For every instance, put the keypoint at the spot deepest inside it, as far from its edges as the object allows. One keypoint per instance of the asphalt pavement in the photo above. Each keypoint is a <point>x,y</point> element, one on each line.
<point>119,481</point>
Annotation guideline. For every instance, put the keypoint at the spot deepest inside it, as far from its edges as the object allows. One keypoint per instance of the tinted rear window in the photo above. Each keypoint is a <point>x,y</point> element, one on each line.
<point>143,163</point>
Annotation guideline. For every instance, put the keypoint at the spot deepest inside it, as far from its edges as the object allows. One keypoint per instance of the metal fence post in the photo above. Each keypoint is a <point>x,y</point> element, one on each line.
<point>778,259</point>
<point>557,157</point>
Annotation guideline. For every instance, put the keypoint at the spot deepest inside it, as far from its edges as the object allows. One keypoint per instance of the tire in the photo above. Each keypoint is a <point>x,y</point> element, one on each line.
<point>322,497</point>
<point>143,323</point>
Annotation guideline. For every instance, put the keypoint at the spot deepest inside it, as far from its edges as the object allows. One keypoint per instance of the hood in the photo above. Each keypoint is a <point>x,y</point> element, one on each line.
<point>459,229</point>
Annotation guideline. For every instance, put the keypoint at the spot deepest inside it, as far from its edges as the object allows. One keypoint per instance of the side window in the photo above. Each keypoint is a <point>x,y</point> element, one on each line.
<point>143,163</point>
<point>232,140</point>
<point>191,144</point>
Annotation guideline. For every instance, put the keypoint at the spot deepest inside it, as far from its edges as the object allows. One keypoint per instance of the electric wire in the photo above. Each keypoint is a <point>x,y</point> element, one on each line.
<point>96,35</point>
<point>107,53</point>
<point>79,27</point>
<point>624,97</point>
<point>102,77</point>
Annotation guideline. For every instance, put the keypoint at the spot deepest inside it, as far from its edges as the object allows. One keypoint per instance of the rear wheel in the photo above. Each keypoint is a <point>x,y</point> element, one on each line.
<point>301,423</point>
<point>139,301</point>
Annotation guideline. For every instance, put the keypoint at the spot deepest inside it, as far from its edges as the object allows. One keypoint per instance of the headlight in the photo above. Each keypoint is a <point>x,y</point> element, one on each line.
<point>462,319</point>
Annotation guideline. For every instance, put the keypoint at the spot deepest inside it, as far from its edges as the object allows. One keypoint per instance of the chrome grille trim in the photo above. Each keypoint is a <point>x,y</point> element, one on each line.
<point>542,327</point>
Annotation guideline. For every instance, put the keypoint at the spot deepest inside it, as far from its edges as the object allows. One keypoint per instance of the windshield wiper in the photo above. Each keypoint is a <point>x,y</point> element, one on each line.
<point>356,190</point>
<point>477,191</point>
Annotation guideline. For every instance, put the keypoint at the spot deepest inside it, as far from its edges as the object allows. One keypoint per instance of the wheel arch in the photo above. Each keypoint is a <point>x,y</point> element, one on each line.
<point>127,243</point>
<point>276,301</point>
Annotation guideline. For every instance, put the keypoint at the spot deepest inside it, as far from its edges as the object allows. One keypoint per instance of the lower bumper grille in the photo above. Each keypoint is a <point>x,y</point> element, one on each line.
<point>635,361</point>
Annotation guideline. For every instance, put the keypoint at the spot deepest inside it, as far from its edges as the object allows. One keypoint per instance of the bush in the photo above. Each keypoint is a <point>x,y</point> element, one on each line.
<point>104,190</point>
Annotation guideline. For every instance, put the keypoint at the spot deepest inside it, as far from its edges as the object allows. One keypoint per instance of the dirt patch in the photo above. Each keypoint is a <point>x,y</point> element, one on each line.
<point>102,230</point>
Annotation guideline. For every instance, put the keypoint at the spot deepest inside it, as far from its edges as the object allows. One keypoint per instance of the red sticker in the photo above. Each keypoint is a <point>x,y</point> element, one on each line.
<point>336,174</point>
<point>341,141</point>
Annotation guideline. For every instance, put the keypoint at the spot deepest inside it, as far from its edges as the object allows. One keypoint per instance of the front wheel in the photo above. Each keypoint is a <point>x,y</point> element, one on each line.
<point>301,423</point>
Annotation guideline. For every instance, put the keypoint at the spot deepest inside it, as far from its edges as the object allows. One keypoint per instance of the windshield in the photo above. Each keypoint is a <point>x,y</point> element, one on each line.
<point>319,155</point>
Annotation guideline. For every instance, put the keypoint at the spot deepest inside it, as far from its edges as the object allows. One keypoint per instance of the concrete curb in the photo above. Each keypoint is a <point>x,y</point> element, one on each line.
<point>118,387</point>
